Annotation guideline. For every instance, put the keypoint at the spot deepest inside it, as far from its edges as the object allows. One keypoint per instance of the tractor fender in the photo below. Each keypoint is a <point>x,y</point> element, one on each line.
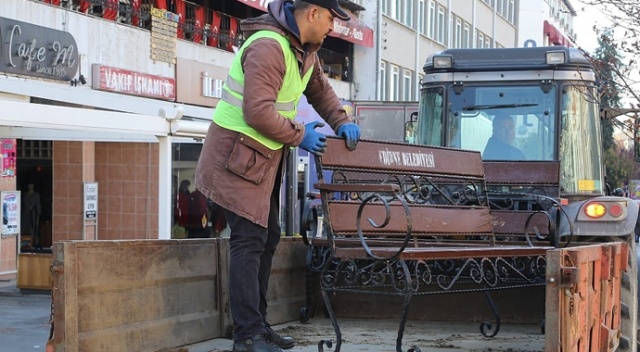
<point>604,227</point>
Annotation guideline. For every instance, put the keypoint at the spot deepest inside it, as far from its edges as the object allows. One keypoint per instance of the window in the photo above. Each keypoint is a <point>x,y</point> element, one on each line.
<point>394,83</point>
<point>432,19</point>
<point>441,24</point>
<point>487,41</point>
<point>580,126</point>
<point>471,123</point>
<point>480,40</point>
<point>422,26</point>
<point>382,83</point>
<point>465,35</point>
<point>408,13</point>
<point>429,129</point>
<point>511,11</point>
<point>385,6</point>
<point>457,42</point>
<point>397,10</point>
<point>407,88</point>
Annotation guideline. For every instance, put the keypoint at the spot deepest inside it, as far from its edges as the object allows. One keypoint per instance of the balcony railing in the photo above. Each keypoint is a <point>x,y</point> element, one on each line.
<point>197,24</point>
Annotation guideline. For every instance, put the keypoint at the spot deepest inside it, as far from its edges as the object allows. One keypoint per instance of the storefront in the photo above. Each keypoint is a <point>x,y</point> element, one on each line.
<point>91,154</point>
<point>104,132</point>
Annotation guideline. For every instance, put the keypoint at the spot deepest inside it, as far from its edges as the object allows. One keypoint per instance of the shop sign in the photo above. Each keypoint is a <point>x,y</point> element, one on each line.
<point>134,83</point>
<point>199,83</point>
<point>28,49</point>
<point>353,31</point>
<point>211,87</point>
<point>10,212</point>
<point>90,200</point>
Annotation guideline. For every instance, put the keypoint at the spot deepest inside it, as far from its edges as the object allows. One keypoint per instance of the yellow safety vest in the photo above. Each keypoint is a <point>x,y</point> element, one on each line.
<point>228,113</point>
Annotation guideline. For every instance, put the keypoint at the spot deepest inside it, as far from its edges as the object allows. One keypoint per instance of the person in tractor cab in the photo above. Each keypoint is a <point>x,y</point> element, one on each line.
<point>243,156</point>
<point>500,145</point>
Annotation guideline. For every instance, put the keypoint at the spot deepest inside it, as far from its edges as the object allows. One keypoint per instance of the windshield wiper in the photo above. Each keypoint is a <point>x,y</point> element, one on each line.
<point>496,106</point>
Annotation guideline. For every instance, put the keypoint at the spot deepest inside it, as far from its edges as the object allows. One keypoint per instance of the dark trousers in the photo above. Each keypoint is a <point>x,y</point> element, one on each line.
<point>251,250</point>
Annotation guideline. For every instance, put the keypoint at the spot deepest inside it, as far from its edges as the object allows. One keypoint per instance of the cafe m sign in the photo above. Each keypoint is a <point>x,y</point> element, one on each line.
<point>28,49</point>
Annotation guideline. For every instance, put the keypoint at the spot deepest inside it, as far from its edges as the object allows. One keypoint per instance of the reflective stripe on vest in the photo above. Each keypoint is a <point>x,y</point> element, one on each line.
<point>237,88</point>
<point>228,113</point>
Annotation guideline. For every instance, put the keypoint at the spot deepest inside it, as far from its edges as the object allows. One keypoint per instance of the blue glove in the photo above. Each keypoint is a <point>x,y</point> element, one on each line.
<point>314,141</point>
<point>351,133</point>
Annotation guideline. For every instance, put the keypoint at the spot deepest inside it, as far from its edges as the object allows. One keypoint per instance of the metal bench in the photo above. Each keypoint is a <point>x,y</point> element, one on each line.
<point>407,220</point>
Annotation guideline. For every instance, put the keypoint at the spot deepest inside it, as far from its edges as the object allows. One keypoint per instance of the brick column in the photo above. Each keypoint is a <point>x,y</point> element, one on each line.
<point>8,244</point>
<point>90,228</point>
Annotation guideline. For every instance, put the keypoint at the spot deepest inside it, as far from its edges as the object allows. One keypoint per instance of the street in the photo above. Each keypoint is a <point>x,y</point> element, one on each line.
<point>24,320</point>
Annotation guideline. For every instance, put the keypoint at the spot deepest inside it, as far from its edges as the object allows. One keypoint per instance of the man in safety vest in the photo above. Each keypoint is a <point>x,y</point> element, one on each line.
<point>244,152</point>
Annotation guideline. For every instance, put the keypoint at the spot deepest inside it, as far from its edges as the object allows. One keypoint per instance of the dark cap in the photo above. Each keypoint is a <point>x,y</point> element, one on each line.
<point>331,5</point>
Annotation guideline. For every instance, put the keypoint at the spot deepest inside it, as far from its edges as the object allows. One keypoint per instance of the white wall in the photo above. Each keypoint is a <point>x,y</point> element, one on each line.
<point>530,22</point>
<point>365,64</point>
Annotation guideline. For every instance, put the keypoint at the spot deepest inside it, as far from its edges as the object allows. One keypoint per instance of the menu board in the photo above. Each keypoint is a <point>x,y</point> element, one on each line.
<point>164,28</point>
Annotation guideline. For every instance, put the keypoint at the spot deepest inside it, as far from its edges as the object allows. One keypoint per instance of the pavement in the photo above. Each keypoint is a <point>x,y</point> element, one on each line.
<point>24,318</point>
<point>25,315</point>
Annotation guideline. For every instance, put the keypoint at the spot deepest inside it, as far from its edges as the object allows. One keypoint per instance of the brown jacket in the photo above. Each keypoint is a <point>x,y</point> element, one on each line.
<point>237,172</point>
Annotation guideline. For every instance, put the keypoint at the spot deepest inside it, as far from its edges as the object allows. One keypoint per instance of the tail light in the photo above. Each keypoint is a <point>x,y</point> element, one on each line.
<point>603,211</point>
<point>595,210</point>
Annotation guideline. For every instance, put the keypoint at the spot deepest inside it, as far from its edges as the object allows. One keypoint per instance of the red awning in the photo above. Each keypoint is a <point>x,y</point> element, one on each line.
<point>555,36</point>
<point>353,31</point>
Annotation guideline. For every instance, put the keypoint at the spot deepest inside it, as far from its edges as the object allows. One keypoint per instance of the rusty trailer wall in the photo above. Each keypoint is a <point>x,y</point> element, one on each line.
<point>583,305</point>
<point>153,294</point>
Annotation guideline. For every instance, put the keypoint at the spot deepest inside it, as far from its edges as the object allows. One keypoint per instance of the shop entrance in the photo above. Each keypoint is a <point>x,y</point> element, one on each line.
<point>34,180</point>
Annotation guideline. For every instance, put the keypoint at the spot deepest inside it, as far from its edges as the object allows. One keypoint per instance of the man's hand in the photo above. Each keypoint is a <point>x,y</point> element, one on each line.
<point>314,142</point>
<point>351,134</point>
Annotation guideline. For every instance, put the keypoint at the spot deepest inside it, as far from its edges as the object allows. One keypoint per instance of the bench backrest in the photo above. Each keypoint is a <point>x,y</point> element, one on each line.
<point>523,180</point>
<point>386,189</point>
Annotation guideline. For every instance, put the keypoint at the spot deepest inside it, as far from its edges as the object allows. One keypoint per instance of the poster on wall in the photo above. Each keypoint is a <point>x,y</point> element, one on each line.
<point>8,154</point>
<point>10,212</point>
<point>90,200</point>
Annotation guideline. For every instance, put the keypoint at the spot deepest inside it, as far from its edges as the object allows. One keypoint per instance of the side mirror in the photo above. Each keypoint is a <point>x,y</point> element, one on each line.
<point>410,128</point>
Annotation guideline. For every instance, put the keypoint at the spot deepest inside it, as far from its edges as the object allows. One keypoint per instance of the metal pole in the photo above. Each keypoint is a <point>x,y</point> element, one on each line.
<point>291,191</point>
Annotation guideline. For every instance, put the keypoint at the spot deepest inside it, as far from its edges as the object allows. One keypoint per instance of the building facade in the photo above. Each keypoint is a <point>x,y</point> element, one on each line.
<point>411,30</point>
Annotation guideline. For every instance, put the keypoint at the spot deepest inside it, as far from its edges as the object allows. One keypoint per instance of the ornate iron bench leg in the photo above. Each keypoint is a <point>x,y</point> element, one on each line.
<point>486,325</point>
<point>306,311</point>
<point>405,309</point>
<point>334,321</point>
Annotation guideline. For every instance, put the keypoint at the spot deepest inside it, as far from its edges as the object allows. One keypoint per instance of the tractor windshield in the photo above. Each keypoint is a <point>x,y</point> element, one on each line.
<point>503,123</point>
<point>518,122</point>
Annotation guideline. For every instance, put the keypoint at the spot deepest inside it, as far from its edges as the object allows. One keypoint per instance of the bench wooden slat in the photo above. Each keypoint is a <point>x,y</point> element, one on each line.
<point>425,253</point>
<point>511,221</point>
<point>354,187</point>
<point>526,172</point>
<point>402,158</point>
<point>425,219</point>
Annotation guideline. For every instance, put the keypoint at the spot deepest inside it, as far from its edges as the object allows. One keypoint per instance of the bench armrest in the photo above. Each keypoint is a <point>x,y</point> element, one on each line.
<point>357,187</point>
